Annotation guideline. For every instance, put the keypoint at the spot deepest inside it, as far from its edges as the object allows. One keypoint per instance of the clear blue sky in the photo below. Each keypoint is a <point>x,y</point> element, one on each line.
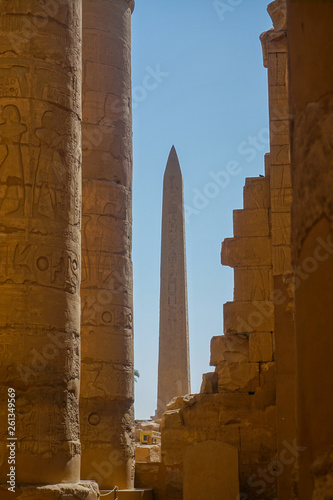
<point>198,83</point>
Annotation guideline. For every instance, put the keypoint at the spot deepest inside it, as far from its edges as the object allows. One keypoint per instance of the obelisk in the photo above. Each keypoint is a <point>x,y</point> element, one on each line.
<point>174,361</point>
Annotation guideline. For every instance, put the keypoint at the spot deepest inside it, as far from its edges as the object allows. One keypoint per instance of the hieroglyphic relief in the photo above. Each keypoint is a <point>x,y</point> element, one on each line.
<point>11,167</point>
<point>51,170</point>
<point>43,265</point>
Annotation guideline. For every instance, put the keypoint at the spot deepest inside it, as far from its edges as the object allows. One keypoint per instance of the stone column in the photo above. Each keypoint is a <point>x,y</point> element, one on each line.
<point>275,51</point>
<point>107,339</point>
<point>40,195</point>
<point>174,359</point>
<point>311,100</point>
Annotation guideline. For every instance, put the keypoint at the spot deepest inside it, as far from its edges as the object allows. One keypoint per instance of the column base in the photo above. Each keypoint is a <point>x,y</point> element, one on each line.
<point>63,491</point>
<point>137,494</point>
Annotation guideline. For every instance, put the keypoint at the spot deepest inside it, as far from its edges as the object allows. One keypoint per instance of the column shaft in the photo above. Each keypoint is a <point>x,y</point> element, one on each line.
<point>40,196</point>
<point>107,337</point>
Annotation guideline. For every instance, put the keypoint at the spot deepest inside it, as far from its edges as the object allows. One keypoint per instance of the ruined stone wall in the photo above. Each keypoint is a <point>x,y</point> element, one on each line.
<point>107,389</point>
<point>248,402</point>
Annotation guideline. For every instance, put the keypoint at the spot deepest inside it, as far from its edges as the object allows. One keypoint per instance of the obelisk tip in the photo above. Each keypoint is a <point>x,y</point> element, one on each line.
<point>173,166</point>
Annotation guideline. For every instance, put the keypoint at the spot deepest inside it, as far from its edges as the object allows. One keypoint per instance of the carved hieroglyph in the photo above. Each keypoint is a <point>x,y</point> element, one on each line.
<point>40,197</point>
<point>106,407</point>
<point>174,363</point>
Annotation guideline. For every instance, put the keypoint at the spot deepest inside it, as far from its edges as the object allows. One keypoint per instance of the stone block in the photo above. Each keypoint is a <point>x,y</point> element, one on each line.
<point>277,68</point>
<point>278,102</point>
<point>257,445</point>
<point>172,419</point>
<point>247,317</point>
<point>256,192</point>
<point>267,376</point>
<point>280,155</point>
<point>280,176</point>
<point>242,377</point>
<point>151,475</point>
<point>147,453</point>
<point>251,222</point>
<point>281,199</point>
<point>282,260</point>
<point>253,283</point>
<point>229,348</point>
<point>210,468</point>
<point>238,252</point>
<point>84,489</point>
<point>281,229</point>
<point>279,132</point>
<point>209,383</point>
<point>260,346</point>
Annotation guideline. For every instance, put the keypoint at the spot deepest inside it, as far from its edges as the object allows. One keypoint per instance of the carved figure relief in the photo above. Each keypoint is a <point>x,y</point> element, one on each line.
<point>51,170</point>
<point>11,167</point>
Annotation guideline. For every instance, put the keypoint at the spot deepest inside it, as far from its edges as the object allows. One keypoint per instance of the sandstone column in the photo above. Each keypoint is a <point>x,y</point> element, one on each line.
<point>174,362</point>
<point>275,51</point>
<point>107,339</point>
<point>311,100</point>
<point>40,195</point>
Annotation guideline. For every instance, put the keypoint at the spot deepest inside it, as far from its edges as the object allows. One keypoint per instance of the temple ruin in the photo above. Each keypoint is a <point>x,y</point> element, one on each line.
<point>260,426</point>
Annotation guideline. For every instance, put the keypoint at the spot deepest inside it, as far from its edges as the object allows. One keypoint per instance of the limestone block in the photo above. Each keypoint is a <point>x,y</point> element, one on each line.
<point>209,383</point>
<point>256,193</point>
<point>229,348</point>
<point>267,377</point>
<point>257,445</point>
<point>172,419</point>
<point>280,155</point>
<point>282,260</point>
<point>279,132</point>
<point>251,222</point>
<point>147,453</point>
<point>242,377</point>
<point>281,199</point>
<point>150,475</point>
<point>253,283</point>
<point>278,102</point>
<point>280,176</point>
<point>278,68</point>
<point>83,489</point>
<point>281,229</point>
<point>247,317</point>
<point>260,345</point>
<point>210,468</point>
<point>253,251</point>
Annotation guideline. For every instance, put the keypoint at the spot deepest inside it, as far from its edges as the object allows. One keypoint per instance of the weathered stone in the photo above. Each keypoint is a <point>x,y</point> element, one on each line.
<point>209,383</point>
<point>174,363</point>
<point>253,283</point>
<point>260,346</point>
<point>267,376</point>
<point>246,252</point>
<point>281,229</point>
<point>211,468</point>
<point>256,193</point>
<point>242,377</point>
<point>247,317</point>
<point>229,348</point>
<point>78,491</point>
<point>251,222</point>
<point>147,453</point>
